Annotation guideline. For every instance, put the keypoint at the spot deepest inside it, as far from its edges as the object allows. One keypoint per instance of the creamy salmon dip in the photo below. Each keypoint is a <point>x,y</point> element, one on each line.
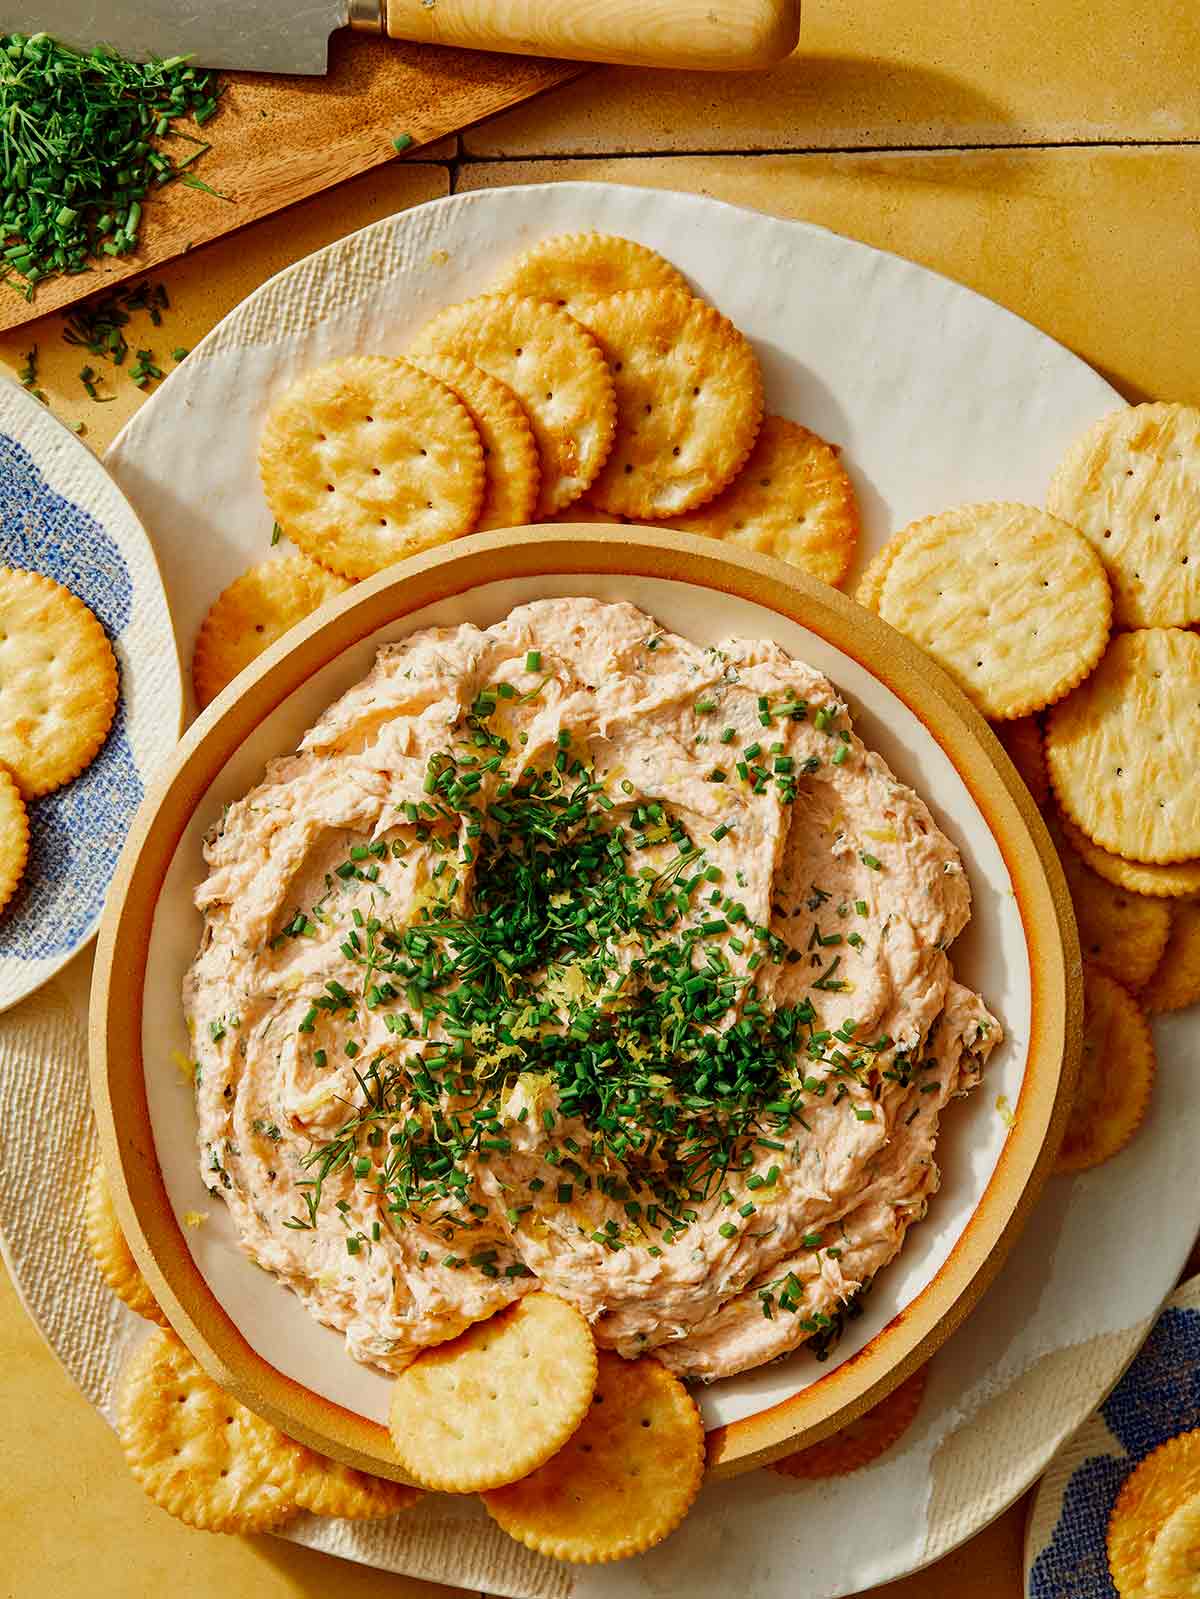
<point>569,954</point>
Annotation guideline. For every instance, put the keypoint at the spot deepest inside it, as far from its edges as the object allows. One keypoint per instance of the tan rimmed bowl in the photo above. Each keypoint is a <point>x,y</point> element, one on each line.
<point>996,1147</point>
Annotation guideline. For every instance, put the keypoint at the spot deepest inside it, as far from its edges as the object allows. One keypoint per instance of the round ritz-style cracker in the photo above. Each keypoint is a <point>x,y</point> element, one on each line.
<point>793,499</point>
<point>512,475</point>
<point>870,584</point>
<point>555,368</point>
<point>1122,933</point>
<point>861,1441</point>
<point>326,1487</point>
<point>1178,881</point>
<point>1131,484</point>
<point>1011,602</point>
<point>689,401</point>
<point>14,836</point>
<point>1121,750</point>
<point>255,610</point>
<point>1115,1078</point>
<point>111,1252</point>
<point>58,682</point>
<point>1022,740</point>
<point>368,460</point>
<point>577,269</point>
<point>492,1404</point>
<point>198,1453</point>
<point>626,1478</point>
<point>1162,1483</point>
<point>1175,982</point>
<point>1173,1569</point>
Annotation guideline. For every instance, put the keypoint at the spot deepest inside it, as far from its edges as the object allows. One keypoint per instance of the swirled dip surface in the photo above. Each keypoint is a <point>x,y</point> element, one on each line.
<point>567,953</point>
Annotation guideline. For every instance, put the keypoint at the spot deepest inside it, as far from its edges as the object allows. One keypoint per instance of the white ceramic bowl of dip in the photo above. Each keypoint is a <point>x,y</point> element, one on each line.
<point>995,1149</point>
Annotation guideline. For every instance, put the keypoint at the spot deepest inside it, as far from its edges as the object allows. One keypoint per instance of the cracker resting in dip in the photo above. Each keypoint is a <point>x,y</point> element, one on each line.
<point>570,954</point>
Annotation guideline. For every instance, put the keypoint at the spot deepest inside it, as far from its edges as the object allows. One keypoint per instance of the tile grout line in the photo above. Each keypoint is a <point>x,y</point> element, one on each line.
<point>467,159</point>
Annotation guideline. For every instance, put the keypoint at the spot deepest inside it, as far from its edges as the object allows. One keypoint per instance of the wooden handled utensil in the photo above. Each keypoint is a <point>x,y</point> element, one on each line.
<point>710,35</point>
<point>262,36</point>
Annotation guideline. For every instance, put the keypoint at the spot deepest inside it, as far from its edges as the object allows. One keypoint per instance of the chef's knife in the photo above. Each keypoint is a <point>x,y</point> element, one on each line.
<point>263,36</point>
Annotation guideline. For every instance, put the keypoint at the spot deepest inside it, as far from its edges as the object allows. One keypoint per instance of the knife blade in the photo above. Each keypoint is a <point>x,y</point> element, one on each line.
<point>252,35</point>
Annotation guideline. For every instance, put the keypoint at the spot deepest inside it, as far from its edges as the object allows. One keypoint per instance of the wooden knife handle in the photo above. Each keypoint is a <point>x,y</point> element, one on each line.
<point>710,35</point>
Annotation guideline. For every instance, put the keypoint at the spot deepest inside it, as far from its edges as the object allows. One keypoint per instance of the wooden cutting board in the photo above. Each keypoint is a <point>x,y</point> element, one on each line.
<point>278,139</point>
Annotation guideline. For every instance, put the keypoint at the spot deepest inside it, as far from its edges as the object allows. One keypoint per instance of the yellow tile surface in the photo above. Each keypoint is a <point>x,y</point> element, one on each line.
<point>206,284</point>
<point>1100,248</point>
<point>85,1530</point>
<point>440,150</point>
<point>898,72</point>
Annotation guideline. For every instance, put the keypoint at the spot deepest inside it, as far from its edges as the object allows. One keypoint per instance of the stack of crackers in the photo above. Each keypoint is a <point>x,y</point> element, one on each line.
<point>58,697</point>
<point>590,385</point>
<point>1073,629</point>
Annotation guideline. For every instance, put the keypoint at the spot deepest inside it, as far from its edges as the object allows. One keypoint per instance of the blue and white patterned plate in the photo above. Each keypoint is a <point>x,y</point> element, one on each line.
<point>1156,1399</point>
<point>61,514</point>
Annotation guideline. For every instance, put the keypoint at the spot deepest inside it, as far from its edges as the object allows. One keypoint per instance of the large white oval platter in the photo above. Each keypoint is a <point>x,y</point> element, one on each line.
<point>936,396</point>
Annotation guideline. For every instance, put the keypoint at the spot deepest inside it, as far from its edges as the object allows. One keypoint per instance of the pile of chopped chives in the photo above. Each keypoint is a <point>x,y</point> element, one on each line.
<point>80,149</point>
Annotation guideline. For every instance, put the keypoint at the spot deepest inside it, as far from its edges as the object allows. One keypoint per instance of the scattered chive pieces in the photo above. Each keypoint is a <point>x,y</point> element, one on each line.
<point>28,375</point>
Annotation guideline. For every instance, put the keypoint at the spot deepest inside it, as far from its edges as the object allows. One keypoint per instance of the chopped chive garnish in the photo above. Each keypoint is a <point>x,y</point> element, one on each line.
<point>87,136</point>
